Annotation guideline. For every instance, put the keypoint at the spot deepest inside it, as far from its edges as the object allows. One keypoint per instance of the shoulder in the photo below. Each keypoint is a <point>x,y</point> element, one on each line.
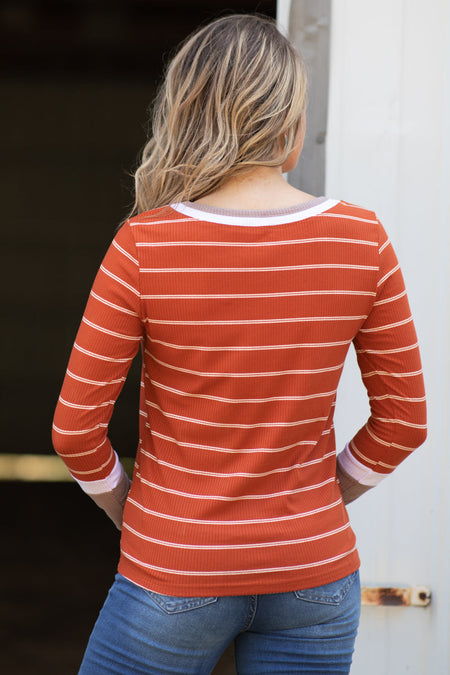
<point>354,212</point>
<point>153,216</point>
<point>357,221</point>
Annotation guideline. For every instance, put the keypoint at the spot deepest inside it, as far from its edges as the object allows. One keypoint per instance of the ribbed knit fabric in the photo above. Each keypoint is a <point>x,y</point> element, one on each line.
<point>245,321</point>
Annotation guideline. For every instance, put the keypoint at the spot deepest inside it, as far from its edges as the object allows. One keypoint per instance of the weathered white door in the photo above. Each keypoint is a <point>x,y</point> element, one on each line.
<point>388,148</point>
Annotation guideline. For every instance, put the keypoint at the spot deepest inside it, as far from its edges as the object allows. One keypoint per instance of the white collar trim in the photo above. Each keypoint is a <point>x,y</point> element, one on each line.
<point>273,218</point>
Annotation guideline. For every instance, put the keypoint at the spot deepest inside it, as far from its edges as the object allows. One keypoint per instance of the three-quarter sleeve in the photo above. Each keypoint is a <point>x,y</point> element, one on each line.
<point>389,359</point>
<point>106,343</point>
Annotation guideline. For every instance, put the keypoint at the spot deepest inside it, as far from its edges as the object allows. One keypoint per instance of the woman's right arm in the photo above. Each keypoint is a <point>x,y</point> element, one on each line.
<point>107,341</point>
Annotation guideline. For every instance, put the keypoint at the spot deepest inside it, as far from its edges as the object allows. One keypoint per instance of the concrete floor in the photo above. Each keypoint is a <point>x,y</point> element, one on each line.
<point>59,556</point>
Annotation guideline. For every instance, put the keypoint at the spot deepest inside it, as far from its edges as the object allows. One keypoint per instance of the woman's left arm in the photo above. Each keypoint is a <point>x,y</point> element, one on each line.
<point>388,357</point>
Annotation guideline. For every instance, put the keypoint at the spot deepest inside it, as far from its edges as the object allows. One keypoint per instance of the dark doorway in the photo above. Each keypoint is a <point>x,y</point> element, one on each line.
<point>77,78</point>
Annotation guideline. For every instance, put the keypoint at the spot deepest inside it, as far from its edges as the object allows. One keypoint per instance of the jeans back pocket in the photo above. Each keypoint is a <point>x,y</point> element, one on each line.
<point>173,605</point>
<point>329,594</point>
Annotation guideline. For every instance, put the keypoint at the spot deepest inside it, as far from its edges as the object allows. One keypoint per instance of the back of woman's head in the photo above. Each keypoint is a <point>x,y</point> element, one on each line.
<point>234,88</point>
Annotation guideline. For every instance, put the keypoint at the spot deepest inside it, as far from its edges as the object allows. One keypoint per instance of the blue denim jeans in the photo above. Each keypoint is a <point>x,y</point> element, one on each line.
<point>307,631</point>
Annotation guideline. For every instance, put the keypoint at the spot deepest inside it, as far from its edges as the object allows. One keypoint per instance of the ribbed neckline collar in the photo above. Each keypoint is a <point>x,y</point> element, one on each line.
<point>255,217</point>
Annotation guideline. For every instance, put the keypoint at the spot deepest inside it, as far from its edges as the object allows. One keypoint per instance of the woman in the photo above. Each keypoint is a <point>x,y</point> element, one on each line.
<point>244,294</point>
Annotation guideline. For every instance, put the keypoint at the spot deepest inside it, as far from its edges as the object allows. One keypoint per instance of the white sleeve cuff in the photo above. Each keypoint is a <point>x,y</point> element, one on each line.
<point>98,487</point>
<point>358,471</point>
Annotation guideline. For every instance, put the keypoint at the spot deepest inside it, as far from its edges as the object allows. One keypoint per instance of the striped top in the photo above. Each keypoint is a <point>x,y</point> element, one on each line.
<point>244,320</point>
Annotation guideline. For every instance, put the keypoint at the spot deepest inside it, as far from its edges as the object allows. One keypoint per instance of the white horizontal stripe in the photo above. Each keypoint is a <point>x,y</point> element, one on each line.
<point>285,268</point>
<point>78,432</point>
<point>388,274</point>
<point>223,425</point>
<point>237,547</point>
<point>98,487</point>
<point>385,373</point>
<point>160,222</point>
<point>387,444</point>
<point>399,350</point>
<point>252,521</point>
<point>85,407</point>
<point>238,400</point>
<point>85,473</point>
<point>392,299</point>
<point>95,382</point>
<point>125,253</point>
<point>254,221</point>
<point>383,246</point>
<point>227,573</point>
<point>246,296</point>
<point>113,306</point>
<point>421,399</point>
<point>347,217</point>
<point>387,326</point>
<point>256,322</point>
<point>232,451</point>
<point>119,280</point>
<point>314,371</point>
<point>214,474</point>
<point>251,348</point>
<point>401,422</point>
<point>363,474</point>
<point>352,206</point>
<point>86,452</point>
<point>360,454</point>
<point>227,498</point>
<point>135,338</point>
<point>223,399</point>
<point>254,244</point>
<point>99,356</point>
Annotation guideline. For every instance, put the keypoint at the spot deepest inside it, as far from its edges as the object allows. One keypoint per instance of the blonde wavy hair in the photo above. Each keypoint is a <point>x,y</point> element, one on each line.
<point>231,92</point>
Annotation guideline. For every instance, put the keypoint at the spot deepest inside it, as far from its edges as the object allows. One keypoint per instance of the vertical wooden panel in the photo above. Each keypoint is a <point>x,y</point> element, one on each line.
<point>309,25</point>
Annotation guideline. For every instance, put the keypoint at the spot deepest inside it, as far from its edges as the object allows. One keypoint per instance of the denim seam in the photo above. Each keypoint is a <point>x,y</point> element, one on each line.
<point>251,612</point>
<point>334,599</point>
<point>177,605</point>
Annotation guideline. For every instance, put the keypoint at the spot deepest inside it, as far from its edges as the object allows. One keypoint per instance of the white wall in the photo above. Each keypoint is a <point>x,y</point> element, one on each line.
<point>388,148</point>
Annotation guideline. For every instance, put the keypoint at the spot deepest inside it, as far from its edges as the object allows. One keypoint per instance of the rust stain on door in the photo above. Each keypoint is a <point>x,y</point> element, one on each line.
<point>417,596</point>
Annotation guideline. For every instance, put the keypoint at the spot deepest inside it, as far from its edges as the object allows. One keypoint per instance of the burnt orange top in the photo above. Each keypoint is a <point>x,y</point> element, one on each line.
<point>245,320</point>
